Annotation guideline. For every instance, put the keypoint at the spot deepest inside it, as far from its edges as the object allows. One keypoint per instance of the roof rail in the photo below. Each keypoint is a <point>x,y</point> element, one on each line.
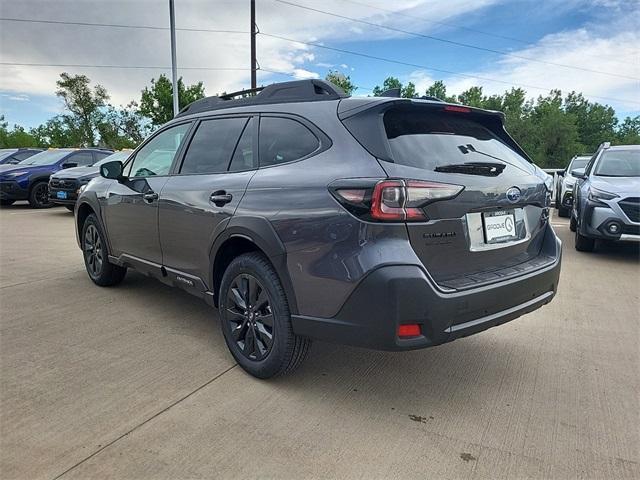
<point>312,90</point>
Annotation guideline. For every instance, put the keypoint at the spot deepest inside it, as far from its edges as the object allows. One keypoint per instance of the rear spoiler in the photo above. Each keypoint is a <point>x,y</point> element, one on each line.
<point>364,121</point>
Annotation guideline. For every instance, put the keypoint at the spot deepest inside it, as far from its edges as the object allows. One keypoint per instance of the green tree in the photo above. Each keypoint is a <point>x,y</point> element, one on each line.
<point>388,84</point>
<point>123,127</point>
<point>629,131</point>
<point>17,137</point>
<point>439,90</point>
<point>156,102</point>
<point>596,123</point>
<point>341,80</point>
<point>472,97</point>
<point>409,91</point>
<point>84,104</point>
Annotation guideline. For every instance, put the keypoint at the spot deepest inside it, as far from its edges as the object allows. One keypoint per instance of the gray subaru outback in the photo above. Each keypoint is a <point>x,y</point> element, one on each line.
<point>302,213</point>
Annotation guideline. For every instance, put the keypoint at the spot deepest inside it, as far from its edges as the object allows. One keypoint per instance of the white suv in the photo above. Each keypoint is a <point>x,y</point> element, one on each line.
<point>564,193</point>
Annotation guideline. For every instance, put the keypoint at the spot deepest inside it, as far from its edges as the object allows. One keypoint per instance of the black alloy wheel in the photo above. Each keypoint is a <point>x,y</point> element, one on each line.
<point>93,251</point>
<point>39,196</point>
<point>250,317</point>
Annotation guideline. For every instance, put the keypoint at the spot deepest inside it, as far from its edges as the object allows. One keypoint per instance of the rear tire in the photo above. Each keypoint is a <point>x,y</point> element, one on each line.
<point>96,255</point>
<point>572,223</point>
<point>6,203</point>
<point>39,196</point>
<point>255,318</point>
<point>563,212</point>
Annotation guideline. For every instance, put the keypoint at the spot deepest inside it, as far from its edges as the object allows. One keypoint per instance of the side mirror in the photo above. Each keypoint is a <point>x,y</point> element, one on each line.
<point>69,164</point>
<point>112,170</point>
<point>578,173</point>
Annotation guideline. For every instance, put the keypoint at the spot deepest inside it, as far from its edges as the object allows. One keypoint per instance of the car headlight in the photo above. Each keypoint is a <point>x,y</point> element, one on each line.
<point>16,174</point>
<point>82,188</point>
<point>569,185</point>
<point>596,195</point>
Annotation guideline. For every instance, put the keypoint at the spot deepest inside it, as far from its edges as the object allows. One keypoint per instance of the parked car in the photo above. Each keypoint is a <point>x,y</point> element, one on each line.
<point>29,179</point>
<point>564,196</point>
<point>16,155</point>
<point>607,193</point>
<point>65,185</point>
<point>304,214</point>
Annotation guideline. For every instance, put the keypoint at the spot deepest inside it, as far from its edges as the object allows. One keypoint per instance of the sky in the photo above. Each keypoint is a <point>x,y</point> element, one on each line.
<point>590,46</point>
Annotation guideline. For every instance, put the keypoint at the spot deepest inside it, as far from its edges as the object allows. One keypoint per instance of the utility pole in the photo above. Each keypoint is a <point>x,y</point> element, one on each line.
<point>254,62</point>
<point>174,66</point>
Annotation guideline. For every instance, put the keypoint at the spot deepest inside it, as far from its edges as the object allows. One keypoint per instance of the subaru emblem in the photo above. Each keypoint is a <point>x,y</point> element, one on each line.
<point>513,194</point>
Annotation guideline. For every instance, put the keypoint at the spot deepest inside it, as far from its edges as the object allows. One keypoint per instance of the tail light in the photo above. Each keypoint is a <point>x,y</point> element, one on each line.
<point>391,200</point>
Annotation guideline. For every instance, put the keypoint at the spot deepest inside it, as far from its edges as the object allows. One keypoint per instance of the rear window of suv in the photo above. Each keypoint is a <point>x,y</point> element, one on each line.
<point>430,139</point>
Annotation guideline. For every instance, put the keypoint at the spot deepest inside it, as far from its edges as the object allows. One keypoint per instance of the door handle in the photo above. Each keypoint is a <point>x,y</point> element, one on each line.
<point>220,198</point>
<point>150,197</point>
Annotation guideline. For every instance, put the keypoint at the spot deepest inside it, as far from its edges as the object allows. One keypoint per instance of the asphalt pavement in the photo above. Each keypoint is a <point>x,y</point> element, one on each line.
<point>136,382</point>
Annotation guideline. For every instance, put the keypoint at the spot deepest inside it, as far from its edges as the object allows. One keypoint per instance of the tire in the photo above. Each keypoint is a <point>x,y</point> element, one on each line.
<point>582,243</point>
<point>246,330</point>
<point>6,203</point>
<point>69,207</point>
<point>39,196</point>
<point>572,223</point>
<point>563,212</point>
<point>95,253</point>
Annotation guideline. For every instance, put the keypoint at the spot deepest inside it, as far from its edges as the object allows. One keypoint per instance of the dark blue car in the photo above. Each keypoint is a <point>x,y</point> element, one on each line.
<point>29,179</point>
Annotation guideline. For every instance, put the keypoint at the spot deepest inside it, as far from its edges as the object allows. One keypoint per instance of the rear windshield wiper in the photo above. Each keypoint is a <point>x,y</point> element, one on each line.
<point>473,168</point>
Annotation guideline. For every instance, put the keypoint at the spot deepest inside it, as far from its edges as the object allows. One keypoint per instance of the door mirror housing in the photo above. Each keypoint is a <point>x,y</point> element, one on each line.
<point>578,173</point>
<point>111,170</point>
<point>69,164</point>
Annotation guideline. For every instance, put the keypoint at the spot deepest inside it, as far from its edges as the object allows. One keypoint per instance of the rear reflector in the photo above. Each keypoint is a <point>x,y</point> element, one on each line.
<point>409,330</point>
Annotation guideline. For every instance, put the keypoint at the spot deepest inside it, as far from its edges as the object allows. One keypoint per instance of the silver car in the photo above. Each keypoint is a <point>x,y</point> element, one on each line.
<point>607,197</point>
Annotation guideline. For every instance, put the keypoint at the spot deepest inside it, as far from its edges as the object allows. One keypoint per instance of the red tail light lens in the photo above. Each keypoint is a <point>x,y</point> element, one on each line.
<point>409,330</point>
<point>393,200</point>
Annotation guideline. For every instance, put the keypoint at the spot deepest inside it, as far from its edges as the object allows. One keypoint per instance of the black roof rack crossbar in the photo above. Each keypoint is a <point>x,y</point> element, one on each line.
<point>312,90</point>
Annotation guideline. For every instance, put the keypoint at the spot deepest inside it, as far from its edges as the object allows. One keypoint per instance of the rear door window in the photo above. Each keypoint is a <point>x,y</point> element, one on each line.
<point>212,146</point>
<point>244,157</point>
<point>428,140</point>
<point>284,140</point>
<point>83,159</point>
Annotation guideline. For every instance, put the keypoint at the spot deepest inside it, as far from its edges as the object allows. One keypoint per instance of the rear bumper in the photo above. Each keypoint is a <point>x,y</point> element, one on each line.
<point>401,294</point>
<point>11,190</point>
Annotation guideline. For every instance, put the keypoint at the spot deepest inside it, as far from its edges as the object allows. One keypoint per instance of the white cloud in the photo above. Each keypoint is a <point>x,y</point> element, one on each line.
<point>584,48</point>
<point>69,44</point>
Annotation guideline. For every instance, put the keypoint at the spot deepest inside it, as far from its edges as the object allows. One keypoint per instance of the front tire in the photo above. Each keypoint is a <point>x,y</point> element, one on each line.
<point>96,256</point>
<point>573,223</point>
<point>582,243</point>
<point>39,196</point>
<point>255,318</point>
<point>563,212</point>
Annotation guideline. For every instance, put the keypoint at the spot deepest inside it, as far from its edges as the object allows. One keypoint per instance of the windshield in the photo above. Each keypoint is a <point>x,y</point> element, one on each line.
<point>429,140</point>
<point>580,162</point>
<point>121,156</point>
<point>619,163</point>
<point>4,153</point>
<point>46,158</point>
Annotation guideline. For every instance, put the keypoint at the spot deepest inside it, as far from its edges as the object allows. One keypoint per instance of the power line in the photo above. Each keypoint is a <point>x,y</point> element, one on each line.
<point>116,25</point>
<point>132,67</point>
<point>451,42</point>
<point>425,67</point>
